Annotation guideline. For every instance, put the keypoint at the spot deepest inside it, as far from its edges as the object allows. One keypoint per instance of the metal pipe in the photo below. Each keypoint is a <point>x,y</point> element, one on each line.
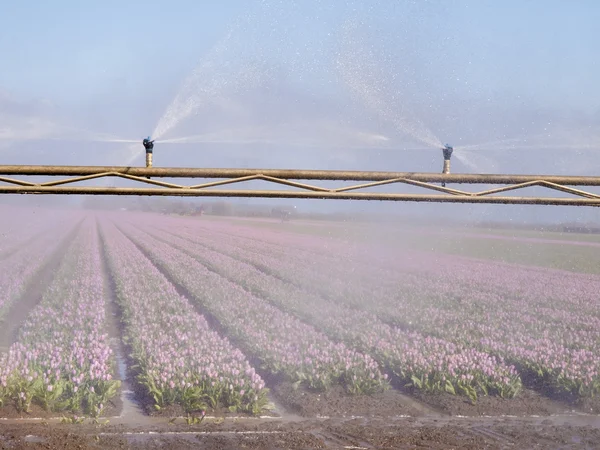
<point>340,175</point>
<point>84,190</point>
<point>446,169</point>
<point>447,152</point>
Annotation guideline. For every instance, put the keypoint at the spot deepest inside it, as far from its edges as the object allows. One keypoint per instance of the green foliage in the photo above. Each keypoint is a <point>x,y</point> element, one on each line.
<point>437,382</point>
<point>206,395</point>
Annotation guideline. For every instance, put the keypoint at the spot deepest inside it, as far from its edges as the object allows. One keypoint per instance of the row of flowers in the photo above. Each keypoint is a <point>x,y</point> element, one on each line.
<point>17,229</point>
<point>556,341</point>
<point>62,360</point>
<point>177,358</point>
<point>536,285</point>
<point>32,249</point>
<point>282,344</point>
<point>427,363</point>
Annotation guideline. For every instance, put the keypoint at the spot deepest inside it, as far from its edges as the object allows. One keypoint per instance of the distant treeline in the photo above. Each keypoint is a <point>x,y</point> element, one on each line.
<point>215,208</point>
<point>187,207</point>
<point>557,228</point>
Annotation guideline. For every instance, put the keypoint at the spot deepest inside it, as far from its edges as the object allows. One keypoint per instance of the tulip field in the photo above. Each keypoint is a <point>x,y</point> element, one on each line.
<point>61,359</point>
<point>213,315</point>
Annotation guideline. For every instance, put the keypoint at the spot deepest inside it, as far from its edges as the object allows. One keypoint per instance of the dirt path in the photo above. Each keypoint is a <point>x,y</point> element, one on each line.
<point>20,309</point>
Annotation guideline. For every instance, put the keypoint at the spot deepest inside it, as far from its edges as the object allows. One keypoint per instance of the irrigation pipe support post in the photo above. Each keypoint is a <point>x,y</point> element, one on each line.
<point>447,152</point>
<point>290,179</point>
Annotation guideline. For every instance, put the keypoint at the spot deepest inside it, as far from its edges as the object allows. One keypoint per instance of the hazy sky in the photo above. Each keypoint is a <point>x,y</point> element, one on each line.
<point>323,84</point>
<point>68,50</point>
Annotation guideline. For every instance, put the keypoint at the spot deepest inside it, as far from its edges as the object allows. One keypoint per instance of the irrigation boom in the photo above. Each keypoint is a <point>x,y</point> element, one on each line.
<point>297,189</point>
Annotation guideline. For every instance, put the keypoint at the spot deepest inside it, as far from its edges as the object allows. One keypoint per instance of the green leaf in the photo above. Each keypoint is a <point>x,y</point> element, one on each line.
<point>416,382</point>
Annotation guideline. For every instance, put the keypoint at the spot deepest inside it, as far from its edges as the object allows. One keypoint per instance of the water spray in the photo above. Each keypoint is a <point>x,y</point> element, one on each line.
<point>447,152</point>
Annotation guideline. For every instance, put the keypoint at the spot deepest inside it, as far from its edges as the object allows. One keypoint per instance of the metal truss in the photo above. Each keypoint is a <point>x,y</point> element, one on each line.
<point>147,175</point>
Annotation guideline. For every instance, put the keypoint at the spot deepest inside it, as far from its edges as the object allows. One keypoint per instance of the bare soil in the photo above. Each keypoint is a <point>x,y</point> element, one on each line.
<point>337,403</point>
<point>402,433</point>
<point>589,405</point>
<point>528,402</point>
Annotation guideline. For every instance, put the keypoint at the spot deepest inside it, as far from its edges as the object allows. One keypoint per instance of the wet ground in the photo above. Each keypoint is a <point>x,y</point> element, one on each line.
<point>305,420</point>
<point>332,433</point>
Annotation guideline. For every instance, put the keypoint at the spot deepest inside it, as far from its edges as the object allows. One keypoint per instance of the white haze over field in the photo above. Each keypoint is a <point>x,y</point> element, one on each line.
<point>318,85</point>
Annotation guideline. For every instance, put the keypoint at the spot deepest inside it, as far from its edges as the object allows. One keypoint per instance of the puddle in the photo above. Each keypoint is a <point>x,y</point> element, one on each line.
<point>131,413</point>
<point>190,436</point>
<point>34,439</point>
<point>282,413</point>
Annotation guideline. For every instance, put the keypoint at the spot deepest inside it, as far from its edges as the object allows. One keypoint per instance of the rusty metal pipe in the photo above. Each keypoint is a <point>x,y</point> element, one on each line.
<point>340,175</point>
<point>81,190</point>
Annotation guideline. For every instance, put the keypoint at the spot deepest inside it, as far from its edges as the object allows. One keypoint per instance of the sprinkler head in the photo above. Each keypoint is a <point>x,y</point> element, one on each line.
<point>148,144</point>
<point>447,151</point>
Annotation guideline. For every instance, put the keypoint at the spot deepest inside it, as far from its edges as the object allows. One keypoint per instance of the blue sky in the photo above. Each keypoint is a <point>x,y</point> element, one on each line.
<point>67,49</point>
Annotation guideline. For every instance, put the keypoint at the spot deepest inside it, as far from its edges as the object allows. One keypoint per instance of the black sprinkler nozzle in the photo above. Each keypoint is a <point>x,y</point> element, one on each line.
<point>148,145</point>
<point>447,151</point>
